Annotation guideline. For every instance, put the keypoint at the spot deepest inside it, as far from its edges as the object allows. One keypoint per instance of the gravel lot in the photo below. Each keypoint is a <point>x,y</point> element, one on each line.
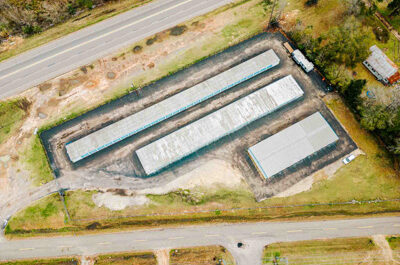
<point>119,161</point>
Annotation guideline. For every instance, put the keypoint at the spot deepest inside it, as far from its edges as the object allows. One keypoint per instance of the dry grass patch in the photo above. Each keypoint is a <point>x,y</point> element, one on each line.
<point>146,258</point>
<point>58,261</point>
<point>332,251</point>
<point>212,255</point>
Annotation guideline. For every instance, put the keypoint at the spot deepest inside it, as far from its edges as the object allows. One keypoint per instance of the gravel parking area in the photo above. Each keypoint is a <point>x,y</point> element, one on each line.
<point>119,161</point>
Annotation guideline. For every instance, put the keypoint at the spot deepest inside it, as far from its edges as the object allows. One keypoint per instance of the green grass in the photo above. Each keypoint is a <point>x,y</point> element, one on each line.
<point>370,176</point>
<point>393,20</point>
<point>48,210</point>
<point>57,261</point>
<point>36,162</point>
<point>334,251</point>
<point>88,18</point>
<point>12,113</point>
<point>394,242</point>
<point>201,255</point>
<point>145,258</point>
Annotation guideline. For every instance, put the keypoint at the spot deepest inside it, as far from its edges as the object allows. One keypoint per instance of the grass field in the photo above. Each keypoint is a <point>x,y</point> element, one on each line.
<point>36,163</point>
<point>85,19</point>
<point>201,256</point>
<point>330,251</point>
<point>12,113</point>
<point>58,261</point>
<point>147,258</point>
<point>351,182</point>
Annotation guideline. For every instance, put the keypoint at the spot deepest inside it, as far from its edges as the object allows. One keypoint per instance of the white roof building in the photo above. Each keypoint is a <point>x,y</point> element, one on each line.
<point>187,140</point>
<point>291,145</point>
<point>381,66</point>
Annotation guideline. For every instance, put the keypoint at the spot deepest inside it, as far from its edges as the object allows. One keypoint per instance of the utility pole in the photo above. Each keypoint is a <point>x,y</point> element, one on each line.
<point>272,12</point>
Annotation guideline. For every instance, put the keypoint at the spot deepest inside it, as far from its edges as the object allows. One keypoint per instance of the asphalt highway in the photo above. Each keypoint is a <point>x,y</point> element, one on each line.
<point>83,47</point>
<point>254,236</point>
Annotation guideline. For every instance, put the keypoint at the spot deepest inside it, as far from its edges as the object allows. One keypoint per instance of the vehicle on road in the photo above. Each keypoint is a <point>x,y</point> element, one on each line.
<point>348,159</point>
<point>5,222</point>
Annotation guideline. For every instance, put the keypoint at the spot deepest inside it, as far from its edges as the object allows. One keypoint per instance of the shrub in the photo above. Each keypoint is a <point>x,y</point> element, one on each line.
<point>178,30</point>
<point>311,2</point>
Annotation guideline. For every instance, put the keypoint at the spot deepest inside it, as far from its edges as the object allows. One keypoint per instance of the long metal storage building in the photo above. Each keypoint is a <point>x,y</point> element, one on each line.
<point>185,141</point>
<point>171,106</point>
<point>292,145</point>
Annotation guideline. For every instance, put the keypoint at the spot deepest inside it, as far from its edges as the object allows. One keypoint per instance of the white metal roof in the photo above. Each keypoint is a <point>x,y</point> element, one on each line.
<point>218,124</point>
<point>301,58</point>
<point>381,63</point>
<point>292,145</point>
<point>169,107</point>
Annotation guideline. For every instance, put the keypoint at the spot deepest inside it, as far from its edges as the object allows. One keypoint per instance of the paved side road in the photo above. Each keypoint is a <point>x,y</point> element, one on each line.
<point>84,46</point>
<point>254,236</point>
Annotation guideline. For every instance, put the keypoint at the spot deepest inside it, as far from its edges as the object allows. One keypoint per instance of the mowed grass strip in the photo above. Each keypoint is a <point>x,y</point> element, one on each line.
<point>145,258</point>
<point>35,159</point>
<point>331,251</point>
<point>209,255</point>
<point>85,19</point>
<point>57,261</point>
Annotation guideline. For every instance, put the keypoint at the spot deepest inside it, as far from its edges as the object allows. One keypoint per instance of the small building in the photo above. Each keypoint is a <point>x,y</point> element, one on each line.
<point>301,60</point>
<point>382,67</point>
<point>292,145</point>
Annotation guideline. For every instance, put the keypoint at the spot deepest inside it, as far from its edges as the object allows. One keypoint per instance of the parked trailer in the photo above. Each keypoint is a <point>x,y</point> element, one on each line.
<point>288,47</point>
<point>301,60</point>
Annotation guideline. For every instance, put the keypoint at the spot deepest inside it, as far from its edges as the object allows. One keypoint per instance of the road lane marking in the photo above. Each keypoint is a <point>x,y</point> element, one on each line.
<point>396,225</point>
<point>211,235</point>
<point>140,240</point>
<point>330,228</point>
<point>365,227</point>
<point>104,243</point>
<point>95,39</point>
<point>177,237</point>
<point>294,231</point>
<point>25,249</point>
<point>258,233</point>
<point>65,246</point>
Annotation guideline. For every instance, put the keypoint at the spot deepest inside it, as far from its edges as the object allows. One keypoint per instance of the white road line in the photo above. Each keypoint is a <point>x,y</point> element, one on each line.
<point>330,228</point>
<point>211,235</point>
<point>97,38</point>
<point>104,243</point>
<point>140,240</point>
<point>365,227</point>
<point>25,249</point>
<point>178,237</point>
<point>65,246</point>
<point>294,231</point>
<point>259,233</point>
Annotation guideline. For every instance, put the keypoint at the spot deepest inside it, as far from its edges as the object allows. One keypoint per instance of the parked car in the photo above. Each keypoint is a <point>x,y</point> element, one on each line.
<point>5,222</point>
<point>348,159</point>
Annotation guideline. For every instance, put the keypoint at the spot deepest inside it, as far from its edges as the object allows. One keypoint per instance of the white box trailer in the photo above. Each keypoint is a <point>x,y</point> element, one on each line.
<point>301,60</point>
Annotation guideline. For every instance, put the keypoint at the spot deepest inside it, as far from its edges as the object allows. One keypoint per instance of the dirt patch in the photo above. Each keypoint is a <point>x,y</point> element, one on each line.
<point>117,202</point>
<point>162,256</point>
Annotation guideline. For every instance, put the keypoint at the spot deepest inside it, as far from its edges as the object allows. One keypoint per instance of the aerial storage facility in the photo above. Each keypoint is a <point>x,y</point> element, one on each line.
<point>292,145</point>
<point>187,140</point>
<point>169,107</point>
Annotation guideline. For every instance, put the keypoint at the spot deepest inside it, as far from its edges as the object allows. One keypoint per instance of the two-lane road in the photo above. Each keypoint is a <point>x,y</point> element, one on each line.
<point>256,235</point>
<point>84,46</point>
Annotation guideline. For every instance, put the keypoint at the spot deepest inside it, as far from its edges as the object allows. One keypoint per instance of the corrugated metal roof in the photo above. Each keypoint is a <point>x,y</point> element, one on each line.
<point>381,63</point>
<point>292,145</point>
<point>301,58</point>
<point>171,106</point>
<point>216,125</point>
